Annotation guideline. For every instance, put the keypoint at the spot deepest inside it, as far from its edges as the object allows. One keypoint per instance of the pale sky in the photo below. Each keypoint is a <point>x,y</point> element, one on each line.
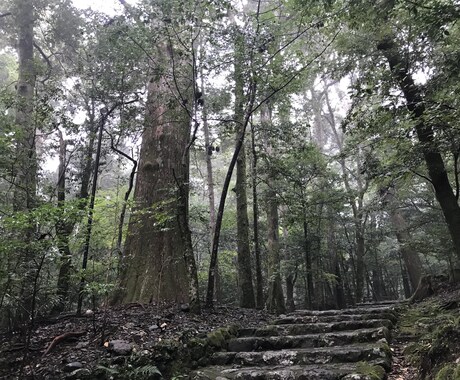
<point>111,7</point>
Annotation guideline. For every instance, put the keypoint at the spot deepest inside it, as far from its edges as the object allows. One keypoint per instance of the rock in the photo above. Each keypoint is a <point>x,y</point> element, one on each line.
<point>185,307</point>
<point>81,373</point>
<point>154,327</point>
<point>120,347</point>
<point>72,366</point>
<point>81,345</point>
<point>129,325</point>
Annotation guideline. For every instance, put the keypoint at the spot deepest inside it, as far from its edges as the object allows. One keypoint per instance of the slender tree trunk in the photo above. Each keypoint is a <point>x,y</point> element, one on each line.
<point>64,229</point>
<point>399,67</point>
<point>87,159</point>
<point>89,223</point>
<point>410,256</point>
<point>246,290</point>
<point>255,211</point>
<point>308,263</point>
<point>360,268</point>
<point>223,197</point>
<point>275,297</point>
<point>210,179</point>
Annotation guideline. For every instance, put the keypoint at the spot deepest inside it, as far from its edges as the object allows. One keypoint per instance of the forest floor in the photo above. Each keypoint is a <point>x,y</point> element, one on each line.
<point>90,338</point>
<point>426,340</point>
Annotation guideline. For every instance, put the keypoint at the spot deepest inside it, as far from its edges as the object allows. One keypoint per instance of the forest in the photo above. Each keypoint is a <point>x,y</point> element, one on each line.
<point>265,154</point>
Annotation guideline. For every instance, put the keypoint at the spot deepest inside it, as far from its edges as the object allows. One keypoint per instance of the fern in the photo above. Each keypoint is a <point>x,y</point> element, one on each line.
<point>145,372</point>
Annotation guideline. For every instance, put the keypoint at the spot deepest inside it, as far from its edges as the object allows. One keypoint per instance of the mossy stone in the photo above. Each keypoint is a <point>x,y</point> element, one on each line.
<point>374,372</point>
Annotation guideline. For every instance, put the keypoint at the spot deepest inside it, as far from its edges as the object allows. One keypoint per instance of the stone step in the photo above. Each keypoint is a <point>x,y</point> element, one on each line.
<point>335,371</point>
<point>382,303</point>
<point>358,310</point>
<point>307,356</point>
<point>312,328</point>
<point>308,340</point>
<point>297,319</point>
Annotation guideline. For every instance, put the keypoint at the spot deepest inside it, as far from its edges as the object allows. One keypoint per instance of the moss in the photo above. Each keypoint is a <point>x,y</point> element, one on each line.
<point>436,336</point>
<point>216,339</point>
<point>374,372</point>
<point>449,371</point>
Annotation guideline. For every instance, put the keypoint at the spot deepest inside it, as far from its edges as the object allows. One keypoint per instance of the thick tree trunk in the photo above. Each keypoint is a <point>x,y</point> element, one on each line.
<point>433,158</point>
<point>157,258</point>
<point>26,157</point>
<point>25,166</point>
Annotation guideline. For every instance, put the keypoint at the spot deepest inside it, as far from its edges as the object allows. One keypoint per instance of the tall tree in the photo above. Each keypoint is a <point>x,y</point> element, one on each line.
<point>275,297</point>
<point>244,253</point>
<point>26,154</point>
<point>25,168</point>
<point>158,260</point>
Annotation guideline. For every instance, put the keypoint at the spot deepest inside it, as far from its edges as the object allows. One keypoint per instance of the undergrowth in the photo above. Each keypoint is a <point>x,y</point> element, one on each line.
<point>436,340</point>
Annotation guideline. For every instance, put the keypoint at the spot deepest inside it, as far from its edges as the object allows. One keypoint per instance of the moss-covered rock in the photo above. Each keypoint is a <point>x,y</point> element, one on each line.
<point>372,372</point>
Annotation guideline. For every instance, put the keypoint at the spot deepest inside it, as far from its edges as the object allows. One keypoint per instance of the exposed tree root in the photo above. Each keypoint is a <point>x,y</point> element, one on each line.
<point>61,338</point>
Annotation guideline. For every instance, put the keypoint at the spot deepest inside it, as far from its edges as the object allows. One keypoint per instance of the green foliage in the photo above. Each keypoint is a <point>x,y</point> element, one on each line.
<point>146,372</point>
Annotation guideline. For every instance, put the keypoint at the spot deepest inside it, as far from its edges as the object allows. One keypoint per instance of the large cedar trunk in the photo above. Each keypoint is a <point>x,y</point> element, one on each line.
<point>157,247</point>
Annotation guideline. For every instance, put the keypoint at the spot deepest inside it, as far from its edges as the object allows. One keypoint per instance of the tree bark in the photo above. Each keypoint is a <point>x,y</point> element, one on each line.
<point>64,229</point>
<point>410,257</point>
<point>26,156</point>
<point>255,211</point>
<point>157,253</point>
<point>25,167</point>
<point>308,262</point>
<point>275,298</point>
<point>433,158</point>
<point>209,178</point>
<point>246,290</point>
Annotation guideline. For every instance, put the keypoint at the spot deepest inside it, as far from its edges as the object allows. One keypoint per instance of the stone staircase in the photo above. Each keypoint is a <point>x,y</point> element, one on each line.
<point>350,344</point>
